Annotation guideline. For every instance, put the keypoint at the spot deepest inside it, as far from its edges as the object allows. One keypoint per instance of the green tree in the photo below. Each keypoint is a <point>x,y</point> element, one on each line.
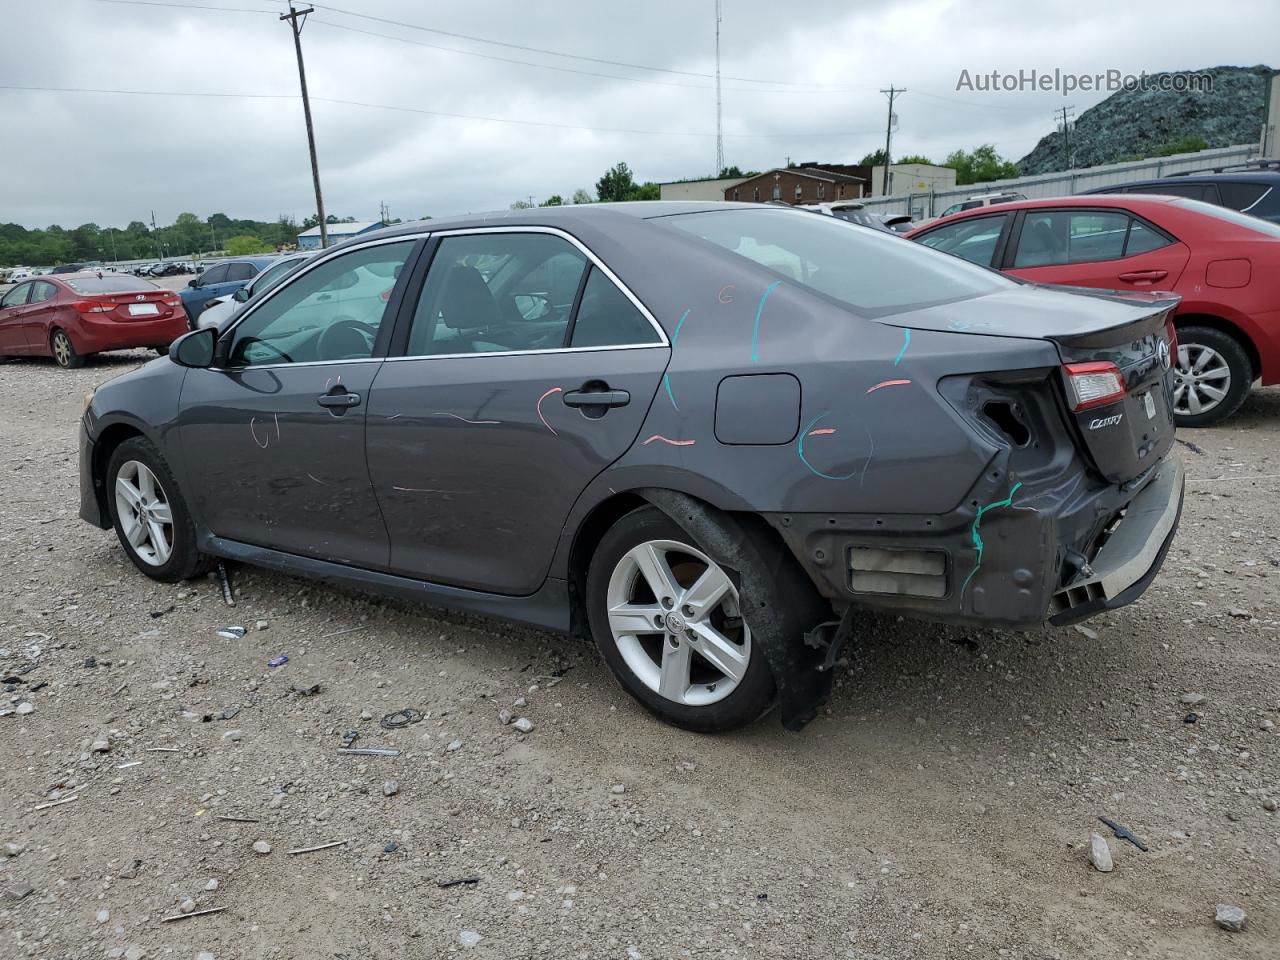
<point>980,165</point>
<point>244,245</point>
<point>617,184</point>
<point>521,205</point>
<point>555,200</point>
<point>914,158</point>
<point>1192,144</point>
<point>873,159</point>
<point>731,171</point>
<point>645,191</point>
<point>581,196</point>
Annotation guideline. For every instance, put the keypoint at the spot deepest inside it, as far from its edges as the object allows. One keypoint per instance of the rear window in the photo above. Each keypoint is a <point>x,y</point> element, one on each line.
<point>89,285</point>
<point>1248,221</point>
<point>872,271</point>
<point>1241,196</point>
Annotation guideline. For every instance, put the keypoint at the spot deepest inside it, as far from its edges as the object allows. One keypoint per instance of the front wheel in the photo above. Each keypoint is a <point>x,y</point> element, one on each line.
<point>668,620</point>
<point>149,514</point>
<point>1211,378</point>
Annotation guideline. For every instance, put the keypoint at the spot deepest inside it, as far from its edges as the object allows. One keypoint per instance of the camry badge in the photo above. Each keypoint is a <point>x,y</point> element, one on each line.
<point>1162,352</point>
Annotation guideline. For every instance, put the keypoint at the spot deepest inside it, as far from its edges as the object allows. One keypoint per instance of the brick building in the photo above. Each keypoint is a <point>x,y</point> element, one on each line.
<point>807,183</point>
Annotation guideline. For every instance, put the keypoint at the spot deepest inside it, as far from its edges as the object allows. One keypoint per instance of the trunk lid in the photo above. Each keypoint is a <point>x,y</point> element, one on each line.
<point>136,306</point>
<point>1125,437</point>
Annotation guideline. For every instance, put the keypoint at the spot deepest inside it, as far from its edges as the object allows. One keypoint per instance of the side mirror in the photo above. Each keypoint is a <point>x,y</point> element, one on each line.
<point>193,283</point>
<point>194,349</point>
<point>241,295</point>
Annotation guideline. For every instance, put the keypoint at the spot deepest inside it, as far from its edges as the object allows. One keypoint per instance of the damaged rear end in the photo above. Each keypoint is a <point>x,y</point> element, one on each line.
<point>1082,491</point>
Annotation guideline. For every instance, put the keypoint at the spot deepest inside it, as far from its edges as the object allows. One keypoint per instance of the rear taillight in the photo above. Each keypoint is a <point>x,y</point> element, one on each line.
<point>171,298</point>
<point>1093,384</point>
<point>92,306</point>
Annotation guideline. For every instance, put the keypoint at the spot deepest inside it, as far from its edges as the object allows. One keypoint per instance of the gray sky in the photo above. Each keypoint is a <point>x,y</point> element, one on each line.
<point>71,158</point>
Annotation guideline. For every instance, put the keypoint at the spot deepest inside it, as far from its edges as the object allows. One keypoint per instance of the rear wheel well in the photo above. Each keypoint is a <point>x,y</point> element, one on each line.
<point>1226,327</point>
<point>603,516</point>
<point>103,448</point>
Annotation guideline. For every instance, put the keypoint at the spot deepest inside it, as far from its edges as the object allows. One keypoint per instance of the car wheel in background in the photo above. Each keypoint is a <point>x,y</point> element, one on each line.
<point>64,351</point>
<point>149,514</point>
<point>668,621</point>
<point>1212,377</point>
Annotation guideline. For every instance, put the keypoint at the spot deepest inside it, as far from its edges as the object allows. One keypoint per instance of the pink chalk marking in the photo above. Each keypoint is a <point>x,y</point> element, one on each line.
<point>721,294</point>
<point>464,419</point>
<point>254,433</point>
<point>674,443</point>
<point>821,432</point>
<point>538,407</point>
<point>888,383</point>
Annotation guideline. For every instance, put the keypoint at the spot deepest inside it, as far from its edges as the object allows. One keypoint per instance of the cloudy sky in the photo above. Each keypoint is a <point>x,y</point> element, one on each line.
<point>805,84</point>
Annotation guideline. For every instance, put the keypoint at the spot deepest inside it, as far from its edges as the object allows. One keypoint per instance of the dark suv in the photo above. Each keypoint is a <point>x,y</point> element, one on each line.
<point>1255,191</point>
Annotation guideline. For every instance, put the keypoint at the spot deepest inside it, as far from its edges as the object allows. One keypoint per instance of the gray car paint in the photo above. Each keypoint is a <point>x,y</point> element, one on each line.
<point>895,453</point>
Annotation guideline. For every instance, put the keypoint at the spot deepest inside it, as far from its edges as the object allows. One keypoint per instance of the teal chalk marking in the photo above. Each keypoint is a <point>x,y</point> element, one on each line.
<point>755,334</point>
<point>676,336</point>
<point>804,460</point>
<point>977,537</point>
<point>906,342</point>
<point>666,378</point>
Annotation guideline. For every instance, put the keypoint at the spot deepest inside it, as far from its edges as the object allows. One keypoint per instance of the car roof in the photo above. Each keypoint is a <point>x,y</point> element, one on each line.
<point>1131,201</point>
<point>1268,177</point>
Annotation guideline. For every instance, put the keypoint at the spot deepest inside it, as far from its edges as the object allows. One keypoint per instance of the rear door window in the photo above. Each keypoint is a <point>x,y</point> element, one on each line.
<point>42,291</point>
<point>242,271</point>
<point>607,318</point>
<point>1053,237</point>
<point>974,240</point>
<point>1242,196</point>
<point>1143,239</point>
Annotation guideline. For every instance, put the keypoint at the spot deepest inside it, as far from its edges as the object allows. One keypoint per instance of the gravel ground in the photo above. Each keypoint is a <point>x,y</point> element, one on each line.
<point>941,807</point>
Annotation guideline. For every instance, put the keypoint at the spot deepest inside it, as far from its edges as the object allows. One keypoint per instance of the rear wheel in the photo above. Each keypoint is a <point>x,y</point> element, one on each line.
<point>668,621</point>
<point>149,514</point>
<point>1211,378</point>
<point>64,351</point>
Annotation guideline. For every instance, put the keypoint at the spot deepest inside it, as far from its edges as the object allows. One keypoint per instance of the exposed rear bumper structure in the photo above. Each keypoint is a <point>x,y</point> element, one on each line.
<point>1050,554</point>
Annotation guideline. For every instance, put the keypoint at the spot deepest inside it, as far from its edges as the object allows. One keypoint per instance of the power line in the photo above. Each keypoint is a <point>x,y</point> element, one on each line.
<point>437,113</point>
<point>187,6</point>
<point>572,56</point>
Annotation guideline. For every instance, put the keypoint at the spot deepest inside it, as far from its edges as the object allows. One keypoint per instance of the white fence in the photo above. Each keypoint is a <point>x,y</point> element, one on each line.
<point>1068,182</point>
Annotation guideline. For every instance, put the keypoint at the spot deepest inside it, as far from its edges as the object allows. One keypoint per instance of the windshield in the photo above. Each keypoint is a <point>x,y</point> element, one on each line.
<point>870,270</point>
<point>108,284</point>
<point>1246,220</point>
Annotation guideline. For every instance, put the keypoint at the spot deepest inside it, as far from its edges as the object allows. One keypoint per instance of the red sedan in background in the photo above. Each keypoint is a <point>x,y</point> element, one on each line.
<point>1225,265</point>
<point>69,316</point>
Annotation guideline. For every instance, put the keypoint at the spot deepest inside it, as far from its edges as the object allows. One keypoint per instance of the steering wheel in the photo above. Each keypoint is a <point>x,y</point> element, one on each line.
<point>346,339</point>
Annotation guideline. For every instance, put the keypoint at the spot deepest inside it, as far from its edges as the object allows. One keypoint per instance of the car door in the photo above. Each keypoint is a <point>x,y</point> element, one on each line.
<point>976,239</point>
<point>526,369</point>
<point>238,274</point>
<point>203,289</point>
<point>13,337</point>
<point>38,315</point>
<point>1092,247</point>
<point>275,431</point>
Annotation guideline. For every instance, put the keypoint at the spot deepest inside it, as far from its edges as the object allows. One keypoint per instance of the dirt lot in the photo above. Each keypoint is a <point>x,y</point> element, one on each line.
<point>941,807</point>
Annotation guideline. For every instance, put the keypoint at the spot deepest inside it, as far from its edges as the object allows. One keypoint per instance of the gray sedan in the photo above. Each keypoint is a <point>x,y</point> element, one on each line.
<point>707,436</point>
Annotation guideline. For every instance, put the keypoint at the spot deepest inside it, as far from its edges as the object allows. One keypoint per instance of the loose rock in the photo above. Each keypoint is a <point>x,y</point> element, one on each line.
<point>391,788</point>
<point>469,938</point>
<point>618,788</point>
<point>262,847</point>
<point>1100,853</point>
<point>524,725</point>
<point>1191,699</point>
<point>187,905</point>
<point>1230,918</point>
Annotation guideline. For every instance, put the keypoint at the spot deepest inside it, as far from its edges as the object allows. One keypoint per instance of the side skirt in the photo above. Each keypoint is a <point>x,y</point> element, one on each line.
<point>548,608</point>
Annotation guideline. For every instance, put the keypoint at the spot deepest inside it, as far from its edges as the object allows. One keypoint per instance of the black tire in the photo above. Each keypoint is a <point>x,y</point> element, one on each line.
<point>63,351</point>
<point>1241,370</point>
<point>754,693</point>
<point>184,561</point>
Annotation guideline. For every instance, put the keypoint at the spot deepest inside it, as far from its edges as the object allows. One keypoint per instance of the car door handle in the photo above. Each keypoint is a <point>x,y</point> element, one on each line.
<point>340,400</point>
<point>1144,276</point>
<point>597,398</point>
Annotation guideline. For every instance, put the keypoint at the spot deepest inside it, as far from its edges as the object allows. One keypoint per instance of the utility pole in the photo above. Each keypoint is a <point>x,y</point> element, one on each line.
<point>719,104</point>
<point>888,136</point>
<point>155,239</point>
<point>296,20</point>
<point>1066,131</point>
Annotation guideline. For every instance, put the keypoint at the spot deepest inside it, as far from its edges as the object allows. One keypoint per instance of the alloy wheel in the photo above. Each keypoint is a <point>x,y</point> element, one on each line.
<point>1202,379</point>
<point>145,515</point>
<point>675,616</point>
<point>62,349</point>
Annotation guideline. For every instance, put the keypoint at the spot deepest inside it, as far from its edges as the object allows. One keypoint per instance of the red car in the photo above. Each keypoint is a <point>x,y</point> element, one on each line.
<point>1225,265</point>
<point>69,316</point>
